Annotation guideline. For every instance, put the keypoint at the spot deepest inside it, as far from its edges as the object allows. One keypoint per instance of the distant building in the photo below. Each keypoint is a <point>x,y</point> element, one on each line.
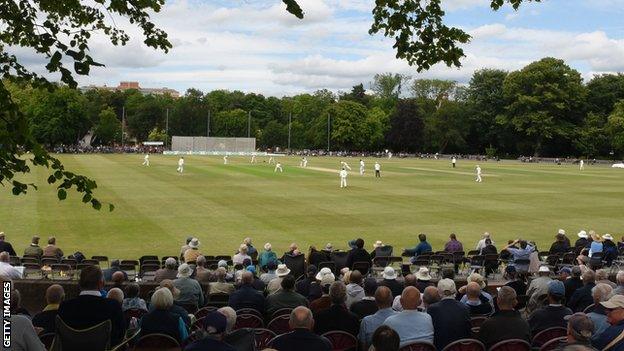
<point>135,85</point>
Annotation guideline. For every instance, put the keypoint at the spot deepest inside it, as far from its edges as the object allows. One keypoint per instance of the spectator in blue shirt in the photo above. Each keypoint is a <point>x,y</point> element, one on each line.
<point>522,253</point>
<point>615,316</point>
<point>422,247</point>
<point>383,298</point>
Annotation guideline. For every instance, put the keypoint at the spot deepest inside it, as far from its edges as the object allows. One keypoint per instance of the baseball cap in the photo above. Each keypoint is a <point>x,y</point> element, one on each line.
<point>556,287</point>
<point>565,270</point>
<point>510,269</point>
<point>251,268</point>
<point>580,325</point>
<point>616,301</point>
<point>447,287</point>
<point>215,323</point>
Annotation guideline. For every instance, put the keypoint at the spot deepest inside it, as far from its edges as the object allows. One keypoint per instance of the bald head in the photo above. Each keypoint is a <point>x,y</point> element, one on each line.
<point>54,294</point>
<point>383,297</point>
<point>473,290</point>
<point>301,317</point>
<point>431,295</point>
<point>410,298</point>
<point>247,278</point>
<point>410,280</point>
<point>116,294</point>
<point>5,257</point>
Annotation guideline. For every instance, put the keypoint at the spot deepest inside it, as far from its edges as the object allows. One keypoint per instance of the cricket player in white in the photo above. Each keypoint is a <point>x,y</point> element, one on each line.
<point>271,160</point>
<point>278,166</point>
<point>343,165</point>
<point>225,160</point>
<point>146,160</point>
<point>454,161</point>
<point>377,170</point>
<point>361,167</point>
<point>581,165</point>
<point>343,178</point>
<point>181,165</point>
<point>305,162</point>
<point>478,169</point>
<point>253,158</point>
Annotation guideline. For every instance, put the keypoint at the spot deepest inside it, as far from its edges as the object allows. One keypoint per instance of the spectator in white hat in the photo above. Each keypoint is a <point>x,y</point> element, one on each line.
<point>538,289</point>
<point>191,254</point>
<point>267,255</point>
<point>389,279</point>
<point>276,284</point>
<point>481,243</point>
<point>191,293</point>
<point>582,241</point>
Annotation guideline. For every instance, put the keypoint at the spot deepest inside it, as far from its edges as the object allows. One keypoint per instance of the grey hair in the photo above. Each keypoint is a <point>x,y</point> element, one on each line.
<point>601,274</point>
<point>115,294</point>
<point>230,316</point>
<point>601,292</point>
<point>301,317</point>
<point>162,299</point>
<point>619,278</point>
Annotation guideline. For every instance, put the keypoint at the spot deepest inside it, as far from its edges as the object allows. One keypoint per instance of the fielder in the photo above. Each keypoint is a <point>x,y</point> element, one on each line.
<point>278,166</point>
<point>305,162</point>
<point>253,158</point>
<point>478,170</point>
<point>343,178</point>
<point>581,165</point>
<point>271,160</point>
<point>180,165</point>
<point>344,165</point>
<point>454,161</point>
<point>377,170</point>
<point>225,160</point>
<point>361,167</point>
<point>146,160</point>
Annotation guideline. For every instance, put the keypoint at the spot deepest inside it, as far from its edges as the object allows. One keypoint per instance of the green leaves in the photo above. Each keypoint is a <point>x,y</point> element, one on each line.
<point>293,7</point>
<point>62,194</point>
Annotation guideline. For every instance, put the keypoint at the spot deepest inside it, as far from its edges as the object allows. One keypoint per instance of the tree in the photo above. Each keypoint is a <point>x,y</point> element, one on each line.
<point>60,31</point>
<point>603,91</point>
<point>447,128</point>
<point>274,134</point>
<point>230,124</point>
<point>615,128</point>
<point>437,90</point>
<point>407,125</point>
<point>108,130</point>
<point>389,85</point>
<point>348,126</point>
<point>357,94</point>
<point>544,102</point>
<point>157,134</point>
<point>486,101</point>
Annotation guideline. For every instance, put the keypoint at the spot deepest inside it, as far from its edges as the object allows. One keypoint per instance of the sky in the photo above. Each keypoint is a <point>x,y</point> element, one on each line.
<point>256,46</point>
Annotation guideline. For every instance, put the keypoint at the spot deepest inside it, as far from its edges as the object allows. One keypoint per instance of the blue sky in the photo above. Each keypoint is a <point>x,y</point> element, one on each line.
<point>255,46</point>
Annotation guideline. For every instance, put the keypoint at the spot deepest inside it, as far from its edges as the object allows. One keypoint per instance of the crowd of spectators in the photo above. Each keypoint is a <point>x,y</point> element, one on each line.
<point>386,311</point>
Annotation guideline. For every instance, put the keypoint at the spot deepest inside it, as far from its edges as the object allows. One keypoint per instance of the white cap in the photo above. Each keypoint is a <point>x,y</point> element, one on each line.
<point>544,269</point>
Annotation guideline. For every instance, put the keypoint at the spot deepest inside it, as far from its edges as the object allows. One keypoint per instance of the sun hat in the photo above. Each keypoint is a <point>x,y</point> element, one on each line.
<point>616,301</point>
<point>556,287</point>
<point>222,263</point>
<point>329,246</point>
<point>184,271</point>
<point>582,234</point>
<point>328,279</point>
<point>215,323</point>
<point>595,236</point>
<point>324,271</point>
<point>389,273</point>
<point>477,278</point>
<point>194,243</point>
<point>423,274</point>
<point>581,325</point>
<point>282,270</point>
<point>561,231</point>
<point>544,269</point>
<point>267,246</point>
<point>607,237</point>
<point>170,261</point>
<point>378,243</point>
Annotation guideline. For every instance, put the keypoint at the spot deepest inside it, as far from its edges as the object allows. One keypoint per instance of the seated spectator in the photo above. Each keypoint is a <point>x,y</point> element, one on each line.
<point>358,254</point>
<point>315,257</point>
<point>582,297</point>
<point>191,292</point>
<point>422,247</point>
<point>538,289</point>
<point>118,279</point>
<point>385,339</point>
<point>301,337</point>
<point>423,279</point>
<point>514,282</point>
<point>169,272</point>
<point>596,244</point>
<point>242,339</point>
<point>610,249</point>
<point>337,316</point>
<point>6,270</point>
<point>367,305</point>
<point>34,249</point>
<point>114,267</point>
<point>488,249</point>
<point>247,296</point>
<point>619,279</point>
<point>326,280</point>
<point>582,241</point>
<point>481,243</point>
<point>51,249</point>
<point>241,256</point>
<point>574,282</point>
<point>506,323</point>
<point>90,308</point>
<point>429,297</point>
<point>453,245</point>
<point>160,320</point>
<point>410,324</point>
<point>553,314</point>
<point>220,286</point>
<point>293,250</point>
<point>560,246</point>
<point>23,335</point>
<point>116,294</point>
<point>611,338</point>
<point>389,279</point>
<point>383,301</point>
<point>476,306</point>
<point>203,274</point>
<point>601,292</point>
<point>215,324</point>
<point>580,329</point>
<point>267,256</point>
<point>46,319</point>
<point>270,274</point>
<point>603,277</point>
<point>409,280</point>
<point>257,283</point>
<point>251,250</point>
<point>477,278</point>
<point>450,318</point>
<point>276,284</point>
<point>132,300</point>
<point>6,246</point>
<point>520,255</point>
<point>185,247</point>
<point>355,291</point>
<point>303,285</point>
<point>192,253</point>
<point>286,297</point>
<point>175,309</point>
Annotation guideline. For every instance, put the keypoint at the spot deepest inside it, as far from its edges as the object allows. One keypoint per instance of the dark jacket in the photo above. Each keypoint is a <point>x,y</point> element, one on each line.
<point>548,317</point>
<point>108,273</point>
<point>161,322</point>
<point>571,285</point>
<point>364,308</point>
<point>87,311</point>
<point>609,335</point>
<point>45,320</point>
<point>336,317</point>
<point>394,286</point>
<point>301,340</point>
<point>451,321</point>
<point>208,343</point>
<point>581,298</point>
<point>284,299</point>
<point>358,255</point>
<point>5,246</point>
<point>504,325</point>
<point>247,297</point>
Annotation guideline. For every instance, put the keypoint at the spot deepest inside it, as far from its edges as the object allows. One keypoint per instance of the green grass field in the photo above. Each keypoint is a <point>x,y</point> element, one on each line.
<point>221,204</point>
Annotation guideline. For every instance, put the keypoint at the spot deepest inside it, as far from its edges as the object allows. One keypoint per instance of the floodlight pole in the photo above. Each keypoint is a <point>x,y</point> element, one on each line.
<point>208,125</point>
<point>248,124</point>
<point>328,123</point>
<point>289,124</point>
<point>123,122</point>
<point>167,129</point>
